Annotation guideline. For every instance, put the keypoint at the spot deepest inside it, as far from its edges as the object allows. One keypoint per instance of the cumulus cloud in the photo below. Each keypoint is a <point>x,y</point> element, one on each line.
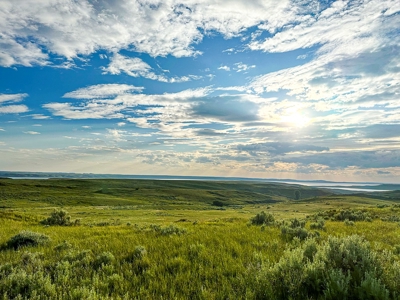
<point>158,28</point>
<point>357,45</point>
<point>225,68</point>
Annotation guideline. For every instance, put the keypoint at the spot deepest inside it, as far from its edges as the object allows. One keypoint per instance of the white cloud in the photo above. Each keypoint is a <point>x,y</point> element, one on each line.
<point>2,129</point>
<point>159,28</point>
<point>241,67</point>
<point>225,68</point>
<point>132,66</point>
<point>353,78</point>
<point>102,91</point>
<point>39,117</point>
<point>359,24</point>
<point>12,97</point>
<point>90,110</point>
<point>135,67</point>
<point>13,109</point>
<point>31,132</point>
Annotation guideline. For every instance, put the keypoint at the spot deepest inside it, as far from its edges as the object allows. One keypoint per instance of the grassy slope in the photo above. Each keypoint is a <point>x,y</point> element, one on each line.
<point>101,192</point>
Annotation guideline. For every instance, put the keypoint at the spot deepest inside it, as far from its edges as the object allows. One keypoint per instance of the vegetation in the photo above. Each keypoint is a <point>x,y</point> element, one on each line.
<point>58,217</point>
<point>171,247</point>
<point>27,238</point>
<point>263,218</point>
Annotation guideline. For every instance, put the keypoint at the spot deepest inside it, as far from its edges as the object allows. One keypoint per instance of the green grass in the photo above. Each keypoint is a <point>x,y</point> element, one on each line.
<point>147,239</point>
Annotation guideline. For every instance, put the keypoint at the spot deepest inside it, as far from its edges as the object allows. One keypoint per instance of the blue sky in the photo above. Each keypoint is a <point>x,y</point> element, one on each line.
<point>277,89</point>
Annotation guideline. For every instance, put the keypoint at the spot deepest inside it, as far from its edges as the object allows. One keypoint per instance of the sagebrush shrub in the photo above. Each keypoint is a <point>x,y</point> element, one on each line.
<point>27,238</point>
<point>105,258</point>
<point>137,254</point>
<point>58,217</point>
<point>168,230</point>
<point>319,224</point>
<point>339,268</point>
<point>262,218</point>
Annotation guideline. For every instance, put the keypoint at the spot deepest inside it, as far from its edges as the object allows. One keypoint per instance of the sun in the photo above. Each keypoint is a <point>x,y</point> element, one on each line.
<point>295,118</point>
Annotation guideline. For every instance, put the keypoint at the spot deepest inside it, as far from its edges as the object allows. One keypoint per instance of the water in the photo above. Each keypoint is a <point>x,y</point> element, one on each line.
<point>28,177</point>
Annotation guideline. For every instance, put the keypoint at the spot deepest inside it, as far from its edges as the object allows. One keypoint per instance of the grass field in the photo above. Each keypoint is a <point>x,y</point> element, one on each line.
<point>152,239</point>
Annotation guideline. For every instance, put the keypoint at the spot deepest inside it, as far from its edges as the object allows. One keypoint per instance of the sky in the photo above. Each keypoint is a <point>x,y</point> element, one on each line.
<point>249,88</point>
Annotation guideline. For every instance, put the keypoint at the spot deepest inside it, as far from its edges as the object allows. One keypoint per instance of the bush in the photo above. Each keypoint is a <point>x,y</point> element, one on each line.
<point>27,238</point>
<point>172,229</point>
<point>341,215</point>
<point>348,223</point>
<point>58,217</point>
<point>168,230</point>
<point>137,254</point>
<point>319,224</point>
<point>391,219</point>
<point>262,218</point>
<point>105,258</point>
<point>295,229</point>
<point>339,268</point>
<point>218,203</point>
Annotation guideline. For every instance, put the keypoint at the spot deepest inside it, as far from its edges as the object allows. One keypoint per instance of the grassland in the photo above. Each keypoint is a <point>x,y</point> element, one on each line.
<point>150,239</point>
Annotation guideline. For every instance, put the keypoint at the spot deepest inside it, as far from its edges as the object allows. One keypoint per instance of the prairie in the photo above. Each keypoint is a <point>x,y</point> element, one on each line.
<point>154,239</point>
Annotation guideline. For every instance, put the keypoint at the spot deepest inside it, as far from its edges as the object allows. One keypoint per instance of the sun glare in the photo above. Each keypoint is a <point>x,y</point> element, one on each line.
<point>296,119</point>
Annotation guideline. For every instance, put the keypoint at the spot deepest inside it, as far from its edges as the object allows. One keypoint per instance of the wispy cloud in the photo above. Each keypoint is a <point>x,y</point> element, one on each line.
<point>102,91</point>
<point>31,132</point>
<point>241,67</point>
<point>13,109</point>
<point>135,67</point>
<point>225,68</point>
<point>39,117</point>
<point>12,97</point>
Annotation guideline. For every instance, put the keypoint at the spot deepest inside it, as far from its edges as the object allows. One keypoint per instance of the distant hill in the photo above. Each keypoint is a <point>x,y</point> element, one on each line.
<point>98,192</point>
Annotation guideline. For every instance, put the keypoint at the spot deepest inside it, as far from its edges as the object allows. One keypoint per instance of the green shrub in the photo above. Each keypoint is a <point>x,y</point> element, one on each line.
<point>295,229</point>
<point>298,232</point>
<point>262,218</point>
<point>339,268</point>
<point>27,238</point>
<point>348,223</point>
<point>391,219</point>
<point>168,230</point>
<point>341,215</point>
<point>318,225</point>
<point>137,254</point>
<point>218,203</point>
<point>105,258</point>
<point>58,217</point>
